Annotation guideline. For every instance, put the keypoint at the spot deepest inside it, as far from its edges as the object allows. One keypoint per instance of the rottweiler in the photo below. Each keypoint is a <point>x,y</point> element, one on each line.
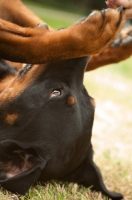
<point>46,114</point>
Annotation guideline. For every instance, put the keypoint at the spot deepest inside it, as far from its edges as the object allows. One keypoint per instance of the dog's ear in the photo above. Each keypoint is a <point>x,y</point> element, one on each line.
<point>20,167</point>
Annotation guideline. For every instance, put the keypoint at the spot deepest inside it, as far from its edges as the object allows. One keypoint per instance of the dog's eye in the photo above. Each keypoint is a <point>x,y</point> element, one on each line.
<point>55,93</point>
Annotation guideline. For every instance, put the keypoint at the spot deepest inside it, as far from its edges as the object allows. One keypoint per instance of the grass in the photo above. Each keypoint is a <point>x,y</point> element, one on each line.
<point>54,17</point>
<point>112,131</point>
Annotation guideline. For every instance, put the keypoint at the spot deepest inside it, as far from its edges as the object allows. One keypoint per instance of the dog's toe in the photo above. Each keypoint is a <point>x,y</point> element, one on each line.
<point>99,29</point>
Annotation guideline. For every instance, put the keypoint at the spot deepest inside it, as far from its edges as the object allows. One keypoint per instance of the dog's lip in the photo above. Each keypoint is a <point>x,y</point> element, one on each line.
<point>20,174</point>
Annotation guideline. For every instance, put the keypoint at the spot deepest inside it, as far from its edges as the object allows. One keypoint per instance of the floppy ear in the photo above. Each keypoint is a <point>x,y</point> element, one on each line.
<point>19,168</point>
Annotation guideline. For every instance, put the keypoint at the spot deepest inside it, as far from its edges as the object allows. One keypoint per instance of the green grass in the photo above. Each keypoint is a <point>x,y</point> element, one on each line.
<point>54,17</point>
<point>123,69</point>
<point>112,132</point>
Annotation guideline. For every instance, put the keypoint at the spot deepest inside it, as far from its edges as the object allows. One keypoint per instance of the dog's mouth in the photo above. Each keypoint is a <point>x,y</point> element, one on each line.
<point>21,161</point>
<point>20,166</point>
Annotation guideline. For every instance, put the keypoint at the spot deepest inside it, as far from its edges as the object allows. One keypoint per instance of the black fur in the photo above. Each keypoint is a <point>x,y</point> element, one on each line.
<point>51,134</point>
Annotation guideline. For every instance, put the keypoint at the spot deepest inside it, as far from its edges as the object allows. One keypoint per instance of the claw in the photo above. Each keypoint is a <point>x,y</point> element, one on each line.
<point>80,20</point>
<point>103,12</point>
<point>117,42</point>
<point>127,40</point>
<point>43,25</point>
<point>120,9</point>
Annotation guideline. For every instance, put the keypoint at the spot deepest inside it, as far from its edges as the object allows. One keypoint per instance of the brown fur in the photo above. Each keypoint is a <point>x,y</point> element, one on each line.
<point>71,101</point>
<point>93,102</point>
<point>11,118</point>
<point>113,54</point>
<point>75,41</point>
<point>17,42</point>
<point>6,82</point>
<point>18,84</point>
<point>37,107</point>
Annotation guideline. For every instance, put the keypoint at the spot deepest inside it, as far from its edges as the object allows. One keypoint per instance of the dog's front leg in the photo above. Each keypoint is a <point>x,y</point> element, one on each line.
<point>39,45</point>
<point>16,12</point>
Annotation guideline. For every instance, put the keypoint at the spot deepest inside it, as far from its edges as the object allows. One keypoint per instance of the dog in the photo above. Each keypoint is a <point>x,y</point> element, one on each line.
<point>119,50</point>
<point>46,114</point>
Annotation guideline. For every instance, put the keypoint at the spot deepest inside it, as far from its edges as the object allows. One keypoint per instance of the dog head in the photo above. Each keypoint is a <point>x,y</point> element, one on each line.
<point>44,111</point>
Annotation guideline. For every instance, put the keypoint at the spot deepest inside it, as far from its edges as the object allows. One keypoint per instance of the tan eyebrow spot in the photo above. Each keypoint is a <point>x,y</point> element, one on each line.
<point>71,101</point>
<point>92,101</point>
<point>11,118</point>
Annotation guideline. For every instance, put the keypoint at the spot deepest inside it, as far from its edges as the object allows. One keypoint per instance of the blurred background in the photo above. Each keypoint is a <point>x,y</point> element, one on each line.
<point>83,5</point>
<point>111,86</point>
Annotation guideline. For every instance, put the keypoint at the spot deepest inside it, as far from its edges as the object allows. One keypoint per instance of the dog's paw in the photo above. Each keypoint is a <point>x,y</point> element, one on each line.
<point>98,30</point>
<point>124,39</point>
<point>119,50</point>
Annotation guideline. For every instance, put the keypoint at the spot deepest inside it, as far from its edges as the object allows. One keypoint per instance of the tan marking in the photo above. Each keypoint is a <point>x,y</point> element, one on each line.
<point>92,101</point>
<point>18,66</point>
<point>71,101</point>
<point>11,118</point>
<point>19,83</point>
<point>6,82</point>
